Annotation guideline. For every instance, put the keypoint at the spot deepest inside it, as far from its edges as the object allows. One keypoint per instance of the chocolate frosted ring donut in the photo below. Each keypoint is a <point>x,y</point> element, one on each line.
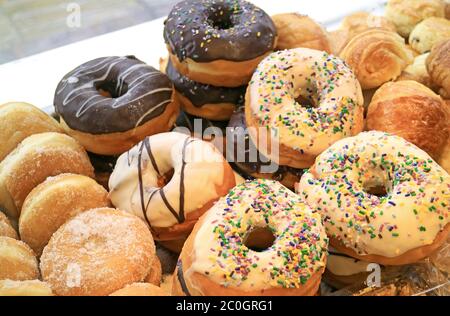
<point>218,42</point>
<point>204,100</point>
<point>111,103</point>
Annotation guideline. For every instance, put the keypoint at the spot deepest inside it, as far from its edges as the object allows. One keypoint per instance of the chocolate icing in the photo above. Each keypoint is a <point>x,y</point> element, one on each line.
<point>201,94</point>
<point>138,92</point>
<point>247,167</point>
<point>181,279</point>
<point>208,30</point>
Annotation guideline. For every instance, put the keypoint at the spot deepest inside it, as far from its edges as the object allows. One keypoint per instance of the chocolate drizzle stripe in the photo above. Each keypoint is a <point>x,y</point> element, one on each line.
<point>181,279</point>
<point>141,186</point>
<point>150,154</point>
<point>169,207</point>
<point>183,165</point>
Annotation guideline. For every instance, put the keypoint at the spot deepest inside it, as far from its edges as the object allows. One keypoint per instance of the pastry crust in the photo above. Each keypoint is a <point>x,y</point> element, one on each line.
<point>296,30</point>
<point>17,260</point>
<point>377,56</point>
<point>429,32</point>
<point>417,71</point>
<point>412,111</point>
<point>361,21</point>
<point>438,65</point>
<point>24,288</point>
<point>140,289</point>
<point>6,229</point>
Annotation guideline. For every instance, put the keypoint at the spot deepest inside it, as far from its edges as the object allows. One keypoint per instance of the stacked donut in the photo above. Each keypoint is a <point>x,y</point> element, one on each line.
<point>65,226</point>
<point>214,46</point>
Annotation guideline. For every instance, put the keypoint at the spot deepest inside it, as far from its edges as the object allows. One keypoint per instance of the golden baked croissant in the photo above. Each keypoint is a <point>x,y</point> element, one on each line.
<point>412,111</point>
<point>444,159</point>
<point>338,39</point>
<point>417,71</point>
<point>377,56</point>
<point>429,32</point>
<point>438,65</point>
<point>360,21</point>
<point>406,14</point>
<point>296,30</point>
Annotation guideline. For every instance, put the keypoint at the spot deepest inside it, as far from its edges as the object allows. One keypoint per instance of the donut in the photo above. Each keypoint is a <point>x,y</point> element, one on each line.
<point>382,199</point>
<point>24,288</point>
<point>159,180</point>
<point>140,289</point>
<point>109,104</point>
<point>155,275</point>
<point>37,157</point>
<point>202,38</point>
<point>96,253</point>
<point>301,132</point>
<point>204,100</point>
<point>286,257</point>
<point>241,148</point>
<point>53,202</point>
<point>6,228</point>
<point>17,260</point>
<point>20,120</point>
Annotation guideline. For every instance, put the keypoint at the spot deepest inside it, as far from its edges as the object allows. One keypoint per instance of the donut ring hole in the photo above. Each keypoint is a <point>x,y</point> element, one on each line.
<point>378,190</point>
<point>165,178</point>
<point>259,239</point>
<point>305,102</point>
<point>111,88</point>
<point>221,18</point>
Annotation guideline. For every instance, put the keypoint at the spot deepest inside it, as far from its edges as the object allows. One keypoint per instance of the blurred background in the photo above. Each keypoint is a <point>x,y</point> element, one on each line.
<point>28,27</point>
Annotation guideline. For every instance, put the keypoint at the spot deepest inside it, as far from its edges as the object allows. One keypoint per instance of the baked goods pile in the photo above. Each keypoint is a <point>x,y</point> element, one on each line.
<point>355,124</point>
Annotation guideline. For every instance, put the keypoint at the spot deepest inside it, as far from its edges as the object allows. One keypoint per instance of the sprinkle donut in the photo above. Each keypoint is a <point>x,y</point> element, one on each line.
<point>218,42</point>
<point>96,253</point>
<point>216,259</point>
<point>159,180</point>
<point>383,199</point>
<point>302,131</point>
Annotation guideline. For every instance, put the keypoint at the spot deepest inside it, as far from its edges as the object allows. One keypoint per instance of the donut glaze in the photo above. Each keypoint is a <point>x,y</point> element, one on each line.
<point>138,93</point>
<point>387,228</point>
<point>209,30</point>
<point>216,261</point>
<point>200,94</point>
<point>302,131</point>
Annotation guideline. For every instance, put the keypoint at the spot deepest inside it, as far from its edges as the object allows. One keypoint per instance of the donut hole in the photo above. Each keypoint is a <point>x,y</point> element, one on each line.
<point>259,239</point>
<point>305,102</point>
<point>220,19</point>
<point>111,88</point>
<point>380,190</point>
<point>165,178</point>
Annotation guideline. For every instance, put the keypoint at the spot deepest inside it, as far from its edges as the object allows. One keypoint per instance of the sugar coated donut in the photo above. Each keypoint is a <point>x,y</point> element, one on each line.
<point>20,120</point>
<point>216,258</point>
<point>202,37</point>
<point>109,104</point>
<point>383,199</point>
<point>159,180</point>
<point>302,132</point>
<point>36,158</point>
<point>6,229</point>
<point>53,202</point>
<point>17,260</point>
<point>140,289</point>
<point>96,253</point>
<point>24,288</point>
<point>155,275</point>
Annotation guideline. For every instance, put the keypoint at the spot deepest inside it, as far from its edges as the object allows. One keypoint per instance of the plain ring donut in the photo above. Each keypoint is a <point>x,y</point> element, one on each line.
<point>218,260</point>
<point>17,260</point>
<point>383,199</point>
<point>303,132</point>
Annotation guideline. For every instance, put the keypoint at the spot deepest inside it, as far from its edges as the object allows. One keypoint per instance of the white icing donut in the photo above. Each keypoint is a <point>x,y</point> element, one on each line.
<point>304,133</point>
<point>140,182</point>
<point>409,216</point>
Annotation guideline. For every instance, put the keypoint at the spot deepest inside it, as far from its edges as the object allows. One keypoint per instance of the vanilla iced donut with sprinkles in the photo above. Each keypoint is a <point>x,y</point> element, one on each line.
<point>111,103</point>
<point>383,199</point>
<point>278,96</point>
<point>222,256</point>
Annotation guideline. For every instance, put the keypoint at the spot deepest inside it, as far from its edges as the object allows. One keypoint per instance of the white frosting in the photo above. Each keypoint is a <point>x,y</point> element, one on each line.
<point>203,171</point>
<point>415,209</point>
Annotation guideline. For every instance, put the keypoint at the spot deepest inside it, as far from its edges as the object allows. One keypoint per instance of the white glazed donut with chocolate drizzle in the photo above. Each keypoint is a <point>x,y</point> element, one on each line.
<point>109,104</point>
<point>170,180</point>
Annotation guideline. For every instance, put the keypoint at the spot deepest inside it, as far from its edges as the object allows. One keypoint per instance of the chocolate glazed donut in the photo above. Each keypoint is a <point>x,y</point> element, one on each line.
<point>204,100</point>
<point>218,42</point>
<point>288,176</point>
<point>111,103</point>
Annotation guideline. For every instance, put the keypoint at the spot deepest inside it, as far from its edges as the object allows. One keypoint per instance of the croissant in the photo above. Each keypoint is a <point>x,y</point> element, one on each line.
<point>438,65</point>
<point>412,111</point>
<point>296,30</point>
<point>429,32</point>
<point>406,14</point>
<point>377,56</point>
<point>338,39</point>
<point>444,160</point>
<point>417,71</point>
<point>360,21</point>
